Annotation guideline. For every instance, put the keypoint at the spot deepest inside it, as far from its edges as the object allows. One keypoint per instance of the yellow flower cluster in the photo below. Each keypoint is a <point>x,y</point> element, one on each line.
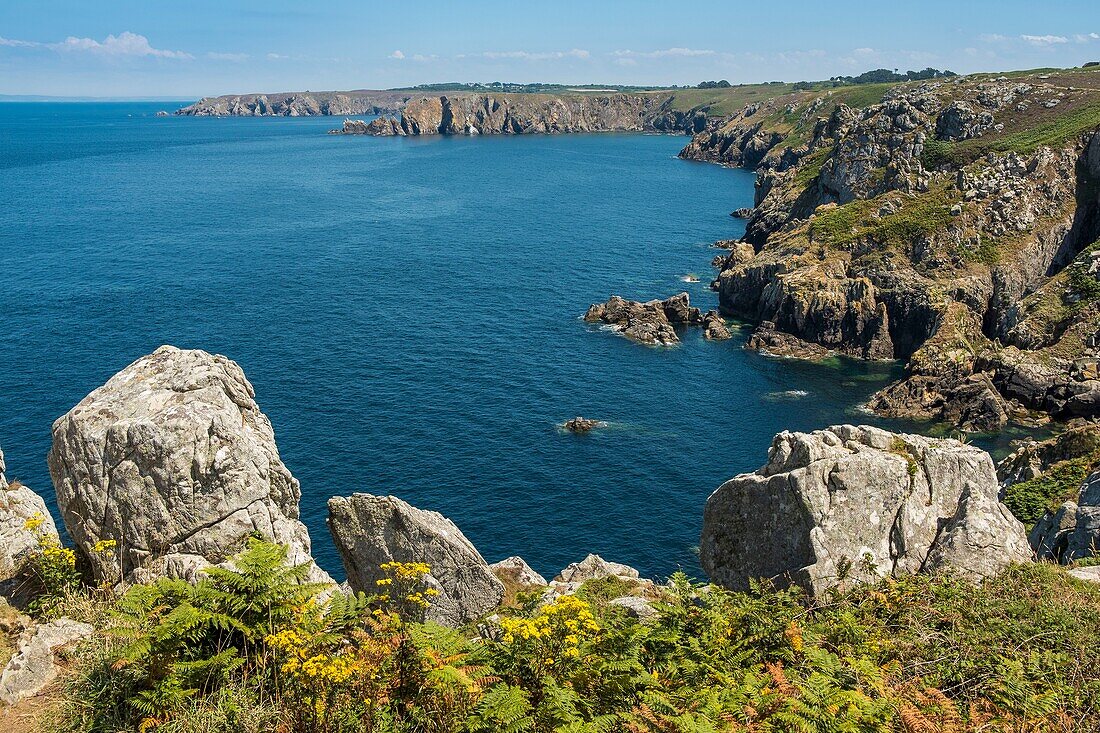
<point>56,554</point>
<point>325,669</point>
<point>562,625</point>
<point>34,521</point>
<point>406,570</point>
<point>104,546</point>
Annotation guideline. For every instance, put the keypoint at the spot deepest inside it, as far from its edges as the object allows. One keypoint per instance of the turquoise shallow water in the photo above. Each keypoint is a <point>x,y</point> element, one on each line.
<point>408,312</point>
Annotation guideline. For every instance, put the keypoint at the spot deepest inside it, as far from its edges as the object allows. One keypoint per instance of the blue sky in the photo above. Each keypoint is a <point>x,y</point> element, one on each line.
<point>192,48</point>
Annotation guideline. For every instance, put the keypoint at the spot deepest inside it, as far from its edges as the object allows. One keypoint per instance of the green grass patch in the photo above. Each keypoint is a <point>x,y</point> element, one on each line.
<point>1051,129</point>
<point>862,95</point>
<point>858,221</point>
<point>809,168</point>
<point>1029,500</point>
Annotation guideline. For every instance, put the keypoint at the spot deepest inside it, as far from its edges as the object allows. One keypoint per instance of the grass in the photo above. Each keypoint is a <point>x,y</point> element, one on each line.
<point>810,167</point>
<point>862,95</point>
<point>1048,127</point>
<point>1029,500</point>
<point>858,221</point>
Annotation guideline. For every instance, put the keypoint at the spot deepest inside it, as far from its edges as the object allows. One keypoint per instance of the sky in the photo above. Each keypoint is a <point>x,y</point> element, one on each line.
<point>186,49</point>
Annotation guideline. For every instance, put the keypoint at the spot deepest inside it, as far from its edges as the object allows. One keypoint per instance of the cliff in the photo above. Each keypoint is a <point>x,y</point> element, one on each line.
<point>947,223</point>
<point>297,104</point>
<point>518,114</point>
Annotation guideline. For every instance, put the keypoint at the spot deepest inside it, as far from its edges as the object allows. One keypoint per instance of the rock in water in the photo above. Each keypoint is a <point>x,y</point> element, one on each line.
<point>173,460</point>
<point>852,504</point>
<point>582,424</point>
<point>652,322</point>
<point>372,530</point>
<point>715,328</point>
<point>24,519</point>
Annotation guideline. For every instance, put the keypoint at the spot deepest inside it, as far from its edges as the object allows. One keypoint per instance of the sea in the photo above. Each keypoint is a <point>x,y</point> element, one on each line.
<point>409,313</point>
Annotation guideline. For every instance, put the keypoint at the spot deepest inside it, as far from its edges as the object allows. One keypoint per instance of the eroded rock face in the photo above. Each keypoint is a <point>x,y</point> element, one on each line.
<point>20,510</point>
<point>174,461</point>
<point>854,504</point>
<point>592,567</point>
<point>372,530</point>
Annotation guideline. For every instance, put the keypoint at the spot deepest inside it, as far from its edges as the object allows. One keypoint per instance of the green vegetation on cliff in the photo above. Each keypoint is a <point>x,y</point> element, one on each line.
<point>251,650</point>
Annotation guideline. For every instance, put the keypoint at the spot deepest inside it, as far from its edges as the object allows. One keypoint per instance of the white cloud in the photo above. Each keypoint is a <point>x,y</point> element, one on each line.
<point>276,57</point>
<point>13,43</point>
<point>1044,40</point>
<point>124,44</point>
<point>663,53</point>
<point>575,53</point>
<point>1086,37</point>
<point>397,55</point>
<point>992,37</point>
<point>214,55</point>
<point>865,51</point>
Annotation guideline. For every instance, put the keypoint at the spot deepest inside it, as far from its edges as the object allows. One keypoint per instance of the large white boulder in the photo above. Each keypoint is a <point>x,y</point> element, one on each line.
<point>174,461</point>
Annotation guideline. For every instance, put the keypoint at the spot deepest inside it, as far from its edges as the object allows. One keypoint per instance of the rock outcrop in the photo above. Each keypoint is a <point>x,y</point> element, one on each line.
<point>372,530</point>
<point>515,571</point>
<point>24,522</point>
<point>1071,532</point>
<point>32,668</point>
<point>854,504</point>
<point>174,461</point>
<point>653,322</point>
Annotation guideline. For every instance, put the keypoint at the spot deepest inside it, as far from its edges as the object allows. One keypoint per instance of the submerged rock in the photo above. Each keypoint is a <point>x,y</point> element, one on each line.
<point>583,424</point>
<point>853,504</point>
<point>174,461</point>
<point>742,213</point>
<point>370,531</point>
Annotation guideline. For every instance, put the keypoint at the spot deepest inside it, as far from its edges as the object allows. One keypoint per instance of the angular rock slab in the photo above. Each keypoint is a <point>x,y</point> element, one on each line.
<point>516,571</point>
<point>173,459</point>
<point>372,530</point>
<point>854,504</point>
<point>31,669</point>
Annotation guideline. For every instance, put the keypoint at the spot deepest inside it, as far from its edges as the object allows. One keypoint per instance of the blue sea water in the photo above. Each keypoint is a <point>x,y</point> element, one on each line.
<point>408,311</point>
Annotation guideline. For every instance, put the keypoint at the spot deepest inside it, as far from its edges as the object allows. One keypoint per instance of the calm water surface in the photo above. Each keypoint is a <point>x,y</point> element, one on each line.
<point>408,312</point>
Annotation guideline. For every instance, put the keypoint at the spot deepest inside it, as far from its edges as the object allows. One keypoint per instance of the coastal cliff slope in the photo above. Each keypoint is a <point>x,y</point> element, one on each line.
<point>297,104</point>
<point>948,223</point>
<point>517,114</point>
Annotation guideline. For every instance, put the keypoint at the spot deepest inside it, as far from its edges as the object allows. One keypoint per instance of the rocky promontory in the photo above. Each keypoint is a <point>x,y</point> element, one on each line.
<point>519,114</point>
<point>947,223</point>
<point>297,104</point>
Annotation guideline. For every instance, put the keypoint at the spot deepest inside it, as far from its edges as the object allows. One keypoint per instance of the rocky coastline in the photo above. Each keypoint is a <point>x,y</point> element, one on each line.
<point>949,224</point>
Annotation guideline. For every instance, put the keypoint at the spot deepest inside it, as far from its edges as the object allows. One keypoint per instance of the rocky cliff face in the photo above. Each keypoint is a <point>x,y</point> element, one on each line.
<point>296,104</point>
<point>173,460</point>
<point>25,523</point>
<point>519,114</point>
<point>854,504</point>
<point>950,224</point>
